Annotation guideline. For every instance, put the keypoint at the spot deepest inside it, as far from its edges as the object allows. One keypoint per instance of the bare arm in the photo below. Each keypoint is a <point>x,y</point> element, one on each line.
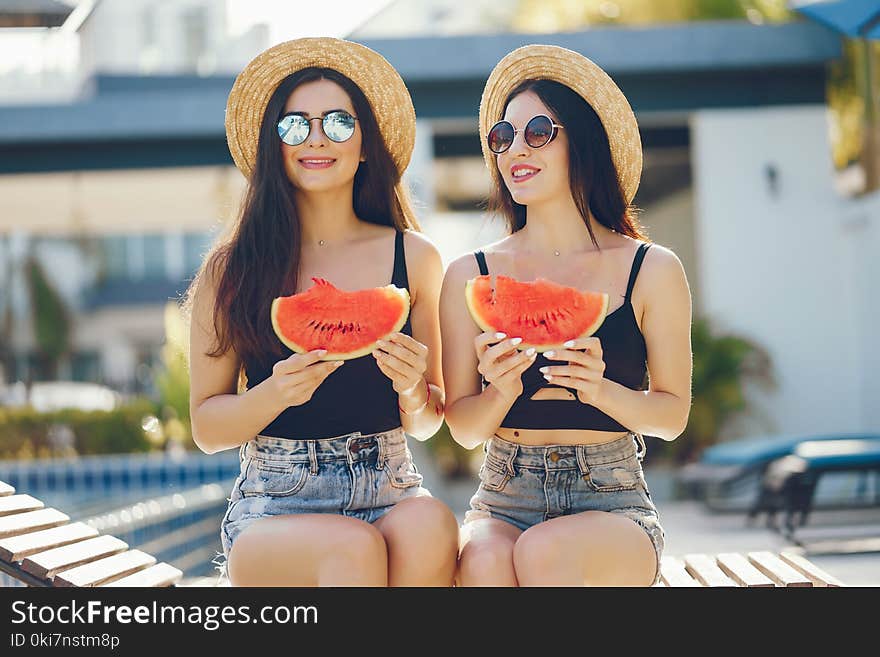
<point>415,362</point>
<point>663,409</point>
<point>221,418</point>
<point>473,414</point>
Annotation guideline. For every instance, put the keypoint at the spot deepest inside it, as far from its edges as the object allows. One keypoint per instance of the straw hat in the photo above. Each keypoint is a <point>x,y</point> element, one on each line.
<point>540,62</point>
<point>381,84</point>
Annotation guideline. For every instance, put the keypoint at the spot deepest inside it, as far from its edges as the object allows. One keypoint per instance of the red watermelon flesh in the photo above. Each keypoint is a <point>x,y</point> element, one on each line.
<point>346,324</point>
<point>543,313</point>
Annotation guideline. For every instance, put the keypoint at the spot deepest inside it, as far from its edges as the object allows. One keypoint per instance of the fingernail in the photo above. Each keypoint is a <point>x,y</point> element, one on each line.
<point>339,362</point>
<point>321,352</point>
<point>568,344</point>
<point>381,343</point>
<point>543,370</point>
<point>549,354</point>
<point>516,341</point>
<point>548,377</point>
<point>530,351</point>
<point>500,336</point>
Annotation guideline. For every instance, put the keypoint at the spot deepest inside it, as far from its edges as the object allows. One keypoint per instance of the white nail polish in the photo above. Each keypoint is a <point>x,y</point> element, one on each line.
<point>500,336</point>
<point>548,377</point>
<point>549,354</point>
<point>516,341</point>
<point>530,351</point>
<point>568,344</point>
<point>543,370</point>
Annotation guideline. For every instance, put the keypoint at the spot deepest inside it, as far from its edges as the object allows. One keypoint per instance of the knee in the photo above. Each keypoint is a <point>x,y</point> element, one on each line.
<point>360,545</point>
<point>487,558</point>
<point>536,551</point>
<point>428,520</point>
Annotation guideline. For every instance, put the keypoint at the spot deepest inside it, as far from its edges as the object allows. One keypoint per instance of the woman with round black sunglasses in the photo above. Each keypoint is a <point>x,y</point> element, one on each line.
<point>328,494</point>
<point>562,498</point>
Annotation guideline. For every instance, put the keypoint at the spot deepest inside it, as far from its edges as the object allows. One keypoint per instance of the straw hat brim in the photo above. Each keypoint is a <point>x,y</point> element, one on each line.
<point>380,82</point>
<point>543,62</point>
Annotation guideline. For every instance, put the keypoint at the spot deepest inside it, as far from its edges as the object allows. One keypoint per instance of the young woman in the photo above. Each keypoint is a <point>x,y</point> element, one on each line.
<point>327,494</point>
<point>562,498</point>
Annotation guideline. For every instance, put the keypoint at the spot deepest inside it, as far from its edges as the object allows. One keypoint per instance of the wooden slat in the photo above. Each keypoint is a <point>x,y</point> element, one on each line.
<point>704,569</point>
<point>105,570</point>
<point>6,489</point>
<point>738,568</point>
<point>10,504</point>
<point>17,548</point>
<point>777,570</point>
<point>47,564</point>
<point>673,573</point>
<point>162,574</point>
<point>815,574</point>
<point>31,521</point>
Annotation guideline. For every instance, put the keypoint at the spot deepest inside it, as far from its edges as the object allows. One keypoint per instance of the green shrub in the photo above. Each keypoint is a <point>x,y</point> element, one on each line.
<point>723,364</point>
<point>26,433</point>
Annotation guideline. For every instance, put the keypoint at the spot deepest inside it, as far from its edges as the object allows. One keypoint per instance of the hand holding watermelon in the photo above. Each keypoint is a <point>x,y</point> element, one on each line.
<point>403,360</point>
<point>502,363</point>
<point>296,378</point>
<point>585,369</point>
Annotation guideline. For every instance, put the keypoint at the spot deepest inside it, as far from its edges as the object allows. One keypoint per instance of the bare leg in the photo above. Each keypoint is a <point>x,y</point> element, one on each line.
<point>421,534</point>
<point>593,548</point>
<point>308,550</point>
<point>486,556</point>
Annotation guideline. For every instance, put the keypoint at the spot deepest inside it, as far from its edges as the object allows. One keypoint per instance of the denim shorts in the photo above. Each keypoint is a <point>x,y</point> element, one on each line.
<point>525,485</point>
<point>355,475</point>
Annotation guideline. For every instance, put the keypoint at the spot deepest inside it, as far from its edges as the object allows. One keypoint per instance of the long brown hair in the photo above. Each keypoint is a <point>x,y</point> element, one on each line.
<point>259,258</point>
<point>593,179</point>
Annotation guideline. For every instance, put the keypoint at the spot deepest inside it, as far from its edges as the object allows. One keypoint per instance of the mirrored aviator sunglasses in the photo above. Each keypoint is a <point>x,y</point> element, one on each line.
<point>294,128</point>
<point>539,131</point>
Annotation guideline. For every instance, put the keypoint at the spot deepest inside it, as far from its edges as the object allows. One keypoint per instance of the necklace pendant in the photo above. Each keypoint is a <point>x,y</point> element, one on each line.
<point>320,242</point>
<point>556,253</point>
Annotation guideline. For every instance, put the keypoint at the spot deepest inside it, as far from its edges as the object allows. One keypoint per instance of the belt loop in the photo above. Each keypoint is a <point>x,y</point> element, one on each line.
<point>380,442</point>
<point>511,456</point>
<point>641,440</point>
<point>313,457</point>
<point>580,453</point>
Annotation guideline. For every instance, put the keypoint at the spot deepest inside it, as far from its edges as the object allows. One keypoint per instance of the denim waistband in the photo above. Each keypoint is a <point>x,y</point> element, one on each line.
<point>564,456</point>
<point>350,446</point>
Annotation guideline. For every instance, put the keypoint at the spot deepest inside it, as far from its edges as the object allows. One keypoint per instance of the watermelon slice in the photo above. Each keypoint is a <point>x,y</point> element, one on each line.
<point>346,324</point>
<point>543,313</point>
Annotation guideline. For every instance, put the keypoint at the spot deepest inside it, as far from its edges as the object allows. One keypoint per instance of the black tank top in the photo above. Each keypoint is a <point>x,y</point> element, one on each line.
<point>356,397</point>
<point>625,356</point>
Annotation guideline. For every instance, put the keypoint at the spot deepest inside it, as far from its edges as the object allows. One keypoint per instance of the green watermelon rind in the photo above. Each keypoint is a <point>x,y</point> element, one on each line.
<point>473,309</point>
<point>402,293</point>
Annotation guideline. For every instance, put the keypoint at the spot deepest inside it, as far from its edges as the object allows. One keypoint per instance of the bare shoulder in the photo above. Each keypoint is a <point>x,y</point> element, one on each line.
<point>421,253</point>
<point>462,269</point>
<point>661,266</point>
<point>661,287</point>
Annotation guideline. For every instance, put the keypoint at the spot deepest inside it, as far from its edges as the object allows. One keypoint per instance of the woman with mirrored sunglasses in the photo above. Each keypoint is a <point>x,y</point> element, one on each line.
<point>327,494</point>
<point>562,498</point>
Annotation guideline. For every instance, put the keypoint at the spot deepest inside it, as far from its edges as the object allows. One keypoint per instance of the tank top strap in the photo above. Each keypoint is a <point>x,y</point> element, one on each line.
<point>399,277</point>
<point>481,262</point>
<point>637,264</point>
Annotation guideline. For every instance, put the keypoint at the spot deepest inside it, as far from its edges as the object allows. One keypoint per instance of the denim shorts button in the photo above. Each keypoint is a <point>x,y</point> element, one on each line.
<point>554,456</point>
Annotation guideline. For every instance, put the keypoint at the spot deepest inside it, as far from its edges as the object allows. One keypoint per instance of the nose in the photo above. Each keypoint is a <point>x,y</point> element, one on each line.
<point>316,133</point>
<point>519,147</point>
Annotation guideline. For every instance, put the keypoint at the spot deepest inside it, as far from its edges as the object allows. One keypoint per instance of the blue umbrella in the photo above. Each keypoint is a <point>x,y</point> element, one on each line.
<point>854,18</point>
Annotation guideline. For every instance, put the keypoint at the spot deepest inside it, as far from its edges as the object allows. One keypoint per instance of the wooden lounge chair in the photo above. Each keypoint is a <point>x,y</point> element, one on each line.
<point>753,569</point>
<point>41,547</point>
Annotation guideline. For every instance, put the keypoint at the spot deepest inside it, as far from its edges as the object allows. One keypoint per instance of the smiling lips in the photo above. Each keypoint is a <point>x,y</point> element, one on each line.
<point>523,172</point>
<point>316,162</point>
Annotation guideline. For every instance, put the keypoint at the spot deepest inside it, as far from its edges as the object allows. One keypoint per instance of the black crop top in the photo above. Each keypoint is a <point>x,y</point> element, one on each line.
<point>625,356</point>
<point>356,397</point>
